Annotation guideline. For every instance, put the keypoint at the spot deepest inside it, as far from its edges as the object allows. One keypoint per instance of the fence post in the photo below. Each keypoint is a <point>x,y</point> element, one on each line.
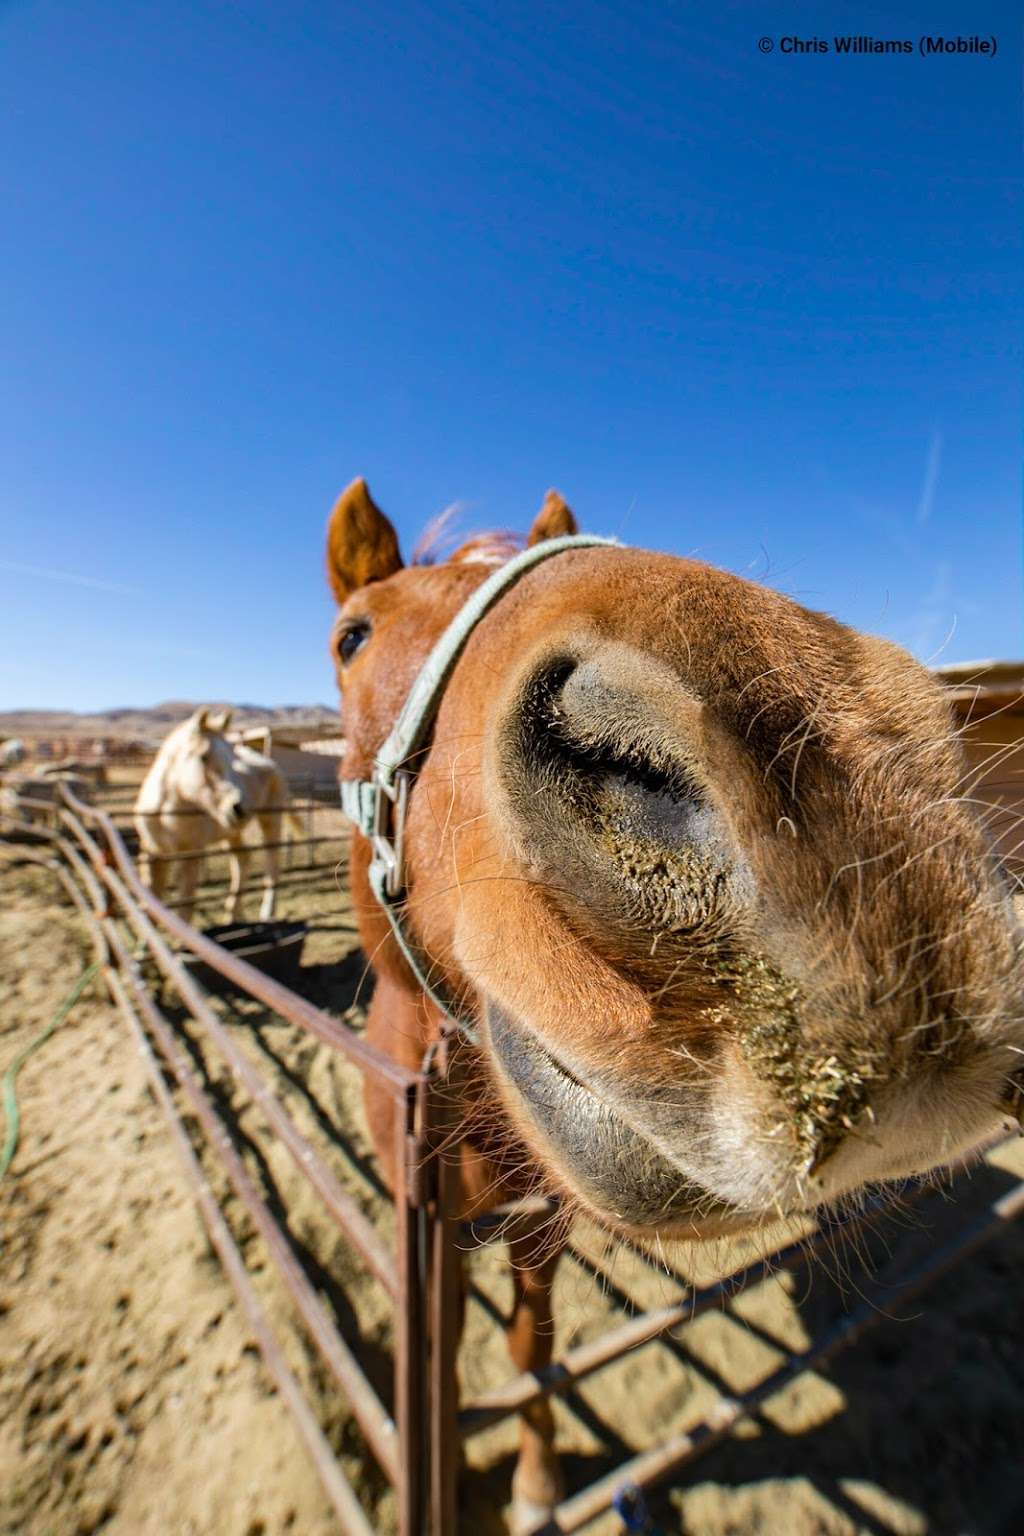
<point>445,1299</point>
<point>411,1155</point>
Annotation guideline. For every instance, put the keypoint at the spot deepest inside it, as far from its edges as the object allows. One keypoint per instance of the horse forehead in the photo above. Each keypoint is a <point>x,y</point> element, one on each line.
<point>770,670</point>
<point>722,631</point>
<point>224,756</point>
<point>185,750</point>
<point>764,661</point>
<point>180,747</point>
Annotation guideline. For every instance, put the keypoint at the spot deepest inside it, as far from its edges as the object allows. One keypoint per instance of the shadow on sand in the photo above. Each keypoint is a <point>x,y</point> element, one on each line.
<point>930,1398</point>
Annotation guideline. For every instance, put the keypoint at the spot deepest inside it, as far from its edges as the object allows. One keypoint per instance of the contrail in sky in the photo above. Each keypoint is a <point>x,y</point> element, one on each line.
<point>931,480</point>
<point>68,576</point>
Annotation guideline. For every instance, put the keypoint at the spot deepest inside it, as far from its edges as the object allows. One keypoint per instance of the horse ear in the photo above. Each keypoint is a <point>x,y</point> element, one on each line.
<point>362,546</point>
<point>554,520</point>
<point>221,722</point>
<point>201,720</point>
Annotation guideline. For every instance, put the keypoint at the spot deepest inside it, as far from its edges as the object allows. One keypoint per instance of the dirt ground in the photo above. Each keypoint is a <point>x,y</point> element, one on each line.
<point>133,1401</point>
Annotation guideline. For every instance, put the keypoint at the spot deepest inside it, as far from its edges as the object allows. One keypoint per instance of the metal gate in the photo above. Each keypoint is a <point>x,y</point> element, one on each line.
<point>416,1443</point>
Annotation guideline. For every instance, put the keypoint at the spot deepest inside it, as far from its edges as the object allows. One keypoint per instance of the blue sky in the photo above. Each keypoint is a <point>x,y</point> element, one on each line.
<point>764,309</point>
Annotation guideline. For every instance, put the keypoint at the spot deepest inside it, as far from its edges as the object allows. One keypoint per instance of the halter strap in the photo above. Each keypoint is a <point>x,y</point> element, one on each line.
<point>377,806</point>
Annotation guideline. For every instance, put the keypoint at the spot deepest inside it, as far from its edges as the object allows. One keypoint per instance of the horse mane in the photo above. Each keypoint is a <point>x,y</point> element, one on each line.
<point>434,545</point>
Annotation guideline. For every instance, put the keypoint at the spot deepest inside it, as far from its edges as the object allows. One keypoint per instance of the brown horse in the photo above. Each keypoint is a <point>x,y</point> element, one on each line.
<point>699,864</point>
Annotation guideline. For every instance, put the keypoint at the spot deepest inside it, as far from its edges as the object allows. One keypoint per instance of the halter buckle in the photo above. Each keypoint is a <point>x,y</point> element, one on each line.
<point>387,833</point>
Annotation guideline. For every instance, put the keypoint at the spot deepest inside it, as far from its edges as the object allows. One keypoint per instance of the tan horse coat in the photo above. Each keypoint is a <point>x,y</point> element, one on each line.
<point>706,870</point>
<point>202,790</point>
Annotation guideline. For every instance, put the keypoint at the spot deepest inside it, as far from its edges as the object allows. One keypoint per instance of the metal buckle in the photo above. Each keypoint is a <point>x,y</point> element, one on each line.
<point>388,834</point>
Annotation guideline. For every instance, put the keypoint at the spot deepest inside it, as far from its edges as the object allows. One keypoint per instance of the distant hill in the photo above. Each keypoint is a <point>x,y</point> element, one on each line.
<point>152,724</point>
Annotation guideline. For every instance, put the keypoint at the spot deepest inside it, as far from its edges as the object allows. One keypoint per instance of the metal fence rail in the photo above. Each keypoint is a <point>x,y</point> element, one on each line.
<point>417,1443</point>
<point>84,847</point>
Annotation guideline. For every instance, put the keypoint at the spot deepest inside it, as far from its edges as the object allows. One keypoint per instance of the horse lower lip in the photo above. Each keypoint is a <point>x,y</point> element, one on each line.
<point>615,1167</point>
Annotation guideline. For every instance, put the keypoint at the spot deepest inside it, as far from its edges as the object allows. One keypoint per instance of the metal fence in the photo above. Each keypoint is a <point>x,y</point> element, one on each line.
<point>416,1442</point>
<point>85,849</point>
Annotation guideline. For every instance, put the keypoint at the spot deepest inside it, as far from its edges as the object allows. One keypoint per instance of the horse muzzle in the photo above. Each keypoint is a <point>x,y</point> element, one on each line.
<point>619,1171</point>
<point>600,760</point>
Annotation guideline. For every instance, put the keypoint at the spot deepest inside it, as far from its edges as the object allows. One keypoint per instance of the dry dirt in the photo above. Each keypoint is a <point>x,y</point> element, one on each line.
<point>133,1401</point>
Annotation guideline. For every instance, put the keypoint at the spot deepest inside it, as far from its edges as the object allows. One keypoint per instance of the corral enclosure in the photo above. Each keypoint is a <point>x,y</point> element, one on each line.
<point>132,1397</point>
<point>670,821</point>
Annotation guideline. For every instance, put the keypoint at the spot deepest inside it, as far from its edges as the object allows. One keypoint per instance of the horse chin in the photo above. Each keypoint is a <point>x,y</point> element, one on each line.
<point>607,1165</point>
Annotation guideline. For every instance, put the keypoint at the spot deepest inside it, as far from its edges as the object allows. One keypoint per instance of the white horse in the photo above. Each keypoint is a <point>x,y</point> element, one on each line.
<point>203,789</point>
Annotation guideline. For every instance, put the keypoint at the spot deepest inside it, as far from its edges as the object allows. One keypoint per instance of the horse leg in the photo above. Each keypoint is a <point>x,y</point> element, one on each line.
<point>271,825</point>
<point>238,860</point>
<point>148,868</point>
<point>537,1482</point>
<point>158,874</point>
<point>189,868</point>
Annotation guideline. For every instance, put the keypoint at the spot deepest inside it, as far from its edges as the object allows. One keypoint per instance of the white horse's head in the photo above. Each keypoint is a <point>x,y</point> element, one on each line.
<point>208,772</point>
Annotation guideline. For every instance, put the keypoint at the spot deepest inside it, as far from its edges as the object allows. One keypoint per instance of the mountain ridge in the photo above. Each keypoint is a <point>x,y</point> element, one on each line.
<point>156,719</point>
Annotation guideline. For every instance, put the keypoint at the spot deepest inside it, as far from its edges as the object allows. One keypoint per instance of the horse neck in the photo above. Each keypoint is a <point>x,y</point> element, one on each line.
<point>408,1023</point>
<point>159,788</point>
<point>264,776</point>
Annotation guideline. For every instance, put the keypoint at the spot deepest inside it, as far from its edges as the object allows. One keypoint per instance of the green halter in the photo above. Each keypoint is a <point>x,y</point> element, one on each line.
<point>377,806</point>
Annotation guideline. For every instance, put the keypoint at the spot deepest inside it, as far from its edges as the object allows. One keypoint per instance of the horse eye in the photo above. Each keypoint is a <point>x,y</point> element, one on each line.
<point>351,641</point>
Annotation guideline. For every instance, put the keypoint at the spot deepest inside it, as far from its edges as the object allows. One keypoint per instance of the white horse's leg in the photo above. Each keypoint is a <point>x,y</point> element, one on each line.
<point>189,880</point>
<point>238,860</point>
<point>156,872</point>
<point>143,859</point>
<point>272,827</point>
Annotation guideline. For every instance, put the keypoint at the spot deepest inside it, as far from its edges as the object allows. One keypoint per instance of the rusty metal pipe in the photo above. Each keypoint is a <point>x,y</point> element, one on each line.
<point>276,997</point>
<point>558,1377</point>
<point>440,1127</point>
<point>337,1200</point>
<point>220,851</point>
<point>349,1512</point>
<point>411,1320</point>
<point>375,1423</point>
<point>351,1517</point>
<point>656,1465</point>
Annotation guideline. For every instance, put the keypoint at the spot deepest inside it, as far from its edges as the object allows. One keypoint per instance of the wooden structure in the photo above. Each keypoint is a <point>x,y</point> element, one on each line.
<point>308,759</point>
<point>988,700</point>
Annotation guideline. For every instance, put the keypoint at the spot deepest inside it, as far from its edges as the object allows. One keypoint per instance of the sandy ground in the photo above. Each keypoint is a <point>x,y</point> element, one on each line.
<point>132,1399</point>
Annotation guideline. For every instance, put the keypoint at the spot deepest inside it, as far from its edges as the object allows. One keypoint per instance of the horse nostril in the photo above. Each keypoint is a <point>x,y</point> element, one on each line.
<point>600,763</point>
<point>588,733</point>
